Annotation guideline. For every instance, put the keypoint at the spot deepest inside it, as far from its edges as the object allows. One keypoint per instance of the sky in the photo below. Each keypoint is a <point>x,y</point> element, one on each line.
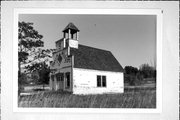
<point>130,38</point>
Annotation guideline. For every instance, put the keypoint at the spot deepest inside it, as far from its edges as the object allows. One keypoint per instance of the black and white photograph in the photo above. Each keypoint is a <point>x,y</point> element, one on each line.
<point>77,60</point>
<point>87,61</point>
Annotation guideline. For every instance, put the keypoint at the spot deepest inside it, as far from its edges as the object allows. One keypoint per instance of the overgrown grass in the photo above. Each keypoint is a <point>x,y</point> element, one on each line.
<point>132,98</point>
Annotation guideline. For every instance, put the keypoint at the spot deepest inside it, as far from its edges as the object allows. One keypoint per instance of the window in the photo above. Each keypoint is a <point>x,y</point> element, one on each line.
<point>101,81</point>
<point>104,81</point>
<point>58,77</point>
<point>59,58</point>
<point>98,81</point>
<point>61,76</point>
<point>68,79</point>
<point>52,77</point>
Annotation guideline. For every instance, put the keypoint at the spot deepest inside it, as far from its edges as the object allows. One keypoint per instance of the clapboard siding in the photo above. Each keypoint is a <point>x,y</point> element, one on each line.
<point>85,82</point>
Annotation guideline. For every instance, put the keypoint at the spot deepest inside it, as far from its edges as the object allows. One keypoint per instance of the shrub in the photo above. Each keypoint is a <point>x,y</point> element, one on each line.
<point>133,79</point>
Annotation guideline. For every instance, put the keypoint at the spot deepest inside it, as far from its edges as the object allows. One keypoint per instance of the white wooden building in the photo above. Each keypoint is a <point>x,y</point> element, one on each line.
<point>82,69</point>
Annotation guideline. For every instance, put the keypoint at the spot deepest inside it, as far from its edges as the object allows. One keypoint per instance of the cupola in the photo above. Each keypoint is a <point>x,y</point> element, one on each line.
<point>70,37</point>
<point>71,32</point>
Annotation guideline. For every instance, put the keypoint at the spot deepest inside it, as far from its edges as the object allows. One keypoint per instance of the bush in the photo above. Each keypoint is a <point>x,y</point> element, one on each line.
<point>139,76</point>
<point>22,80</point>
<point>133,79</point>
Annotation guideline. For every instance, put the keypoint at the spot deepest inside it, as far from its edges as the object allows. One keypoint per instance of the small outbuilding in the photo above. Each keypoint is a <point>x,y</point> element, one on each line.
<point>82,69</point>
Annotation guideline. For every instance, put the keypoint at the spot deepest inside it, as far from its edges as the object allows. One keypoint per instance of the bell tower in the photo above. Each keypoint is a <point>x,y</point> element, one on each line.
<point>71,35</point>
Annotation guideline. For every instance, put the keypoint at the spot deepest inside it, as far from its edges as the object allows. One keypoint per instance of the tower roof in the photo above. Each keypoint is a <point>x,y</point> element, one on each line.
<point>71,26</point>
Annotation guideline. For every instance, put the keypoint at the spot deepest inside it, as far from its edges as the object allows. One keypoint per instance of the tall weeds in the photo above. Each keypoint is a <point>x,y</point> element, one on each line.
<point>143,98</point>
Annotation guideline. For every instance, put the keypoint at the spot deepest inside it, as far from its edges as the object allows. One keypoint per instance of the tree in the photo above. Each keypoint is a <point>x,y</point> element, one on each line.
<point>130,75</point>
<point>44,74</point>
<point>30,51</point>
<point>131,70</point>
<point>147,71</point>
<point>28,40</point>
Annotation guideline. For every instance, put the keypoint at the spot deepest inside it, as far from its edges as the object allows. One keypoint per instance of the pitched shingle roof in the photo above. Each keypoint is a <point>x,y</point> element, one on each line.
<point>71,26</point>
<point>96,59</point>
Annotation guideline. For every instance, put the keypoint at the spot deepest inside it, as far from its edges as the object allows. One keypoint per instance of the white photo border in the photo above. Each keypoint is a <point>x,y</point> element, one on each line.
<point>159,22</point>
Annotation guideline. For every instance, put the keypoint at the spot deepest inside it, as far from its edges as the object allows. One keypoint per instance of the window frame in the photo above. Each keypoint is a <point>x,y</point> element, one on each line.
<point>101,81</point>
<point>98,81</point>
<point>104,81</point>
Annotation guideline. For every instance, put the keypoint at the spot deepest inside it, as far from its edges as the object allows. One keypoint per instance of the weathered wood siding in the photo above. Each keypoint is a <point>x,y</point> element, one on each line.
<point>61,64</point>
<point>60,85</point>
<point>85,82</point>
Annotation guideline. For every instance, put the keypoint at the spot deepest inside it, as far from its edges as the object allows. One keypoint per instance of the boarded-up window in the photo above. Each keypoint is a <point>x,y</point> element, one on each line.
<point>101,81</point>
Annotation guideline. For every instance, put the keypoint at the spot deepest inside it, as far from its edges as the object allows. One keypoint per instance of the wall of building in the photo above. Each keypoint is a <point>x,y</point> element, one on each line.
<point>66,61</point>
<point>57,84</point>
<point>61,64</point>
<point>85,82</point>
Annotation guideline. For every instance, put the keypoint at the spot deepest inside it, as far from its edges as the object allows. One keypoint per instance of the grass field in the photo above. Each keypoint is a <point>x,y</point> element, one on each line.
<point>131,98</point>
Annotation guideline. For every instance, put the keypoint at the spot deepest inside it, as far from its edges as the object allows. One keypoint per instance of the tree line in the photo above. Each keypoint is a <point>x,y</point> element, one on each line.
<point>135,76</point>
